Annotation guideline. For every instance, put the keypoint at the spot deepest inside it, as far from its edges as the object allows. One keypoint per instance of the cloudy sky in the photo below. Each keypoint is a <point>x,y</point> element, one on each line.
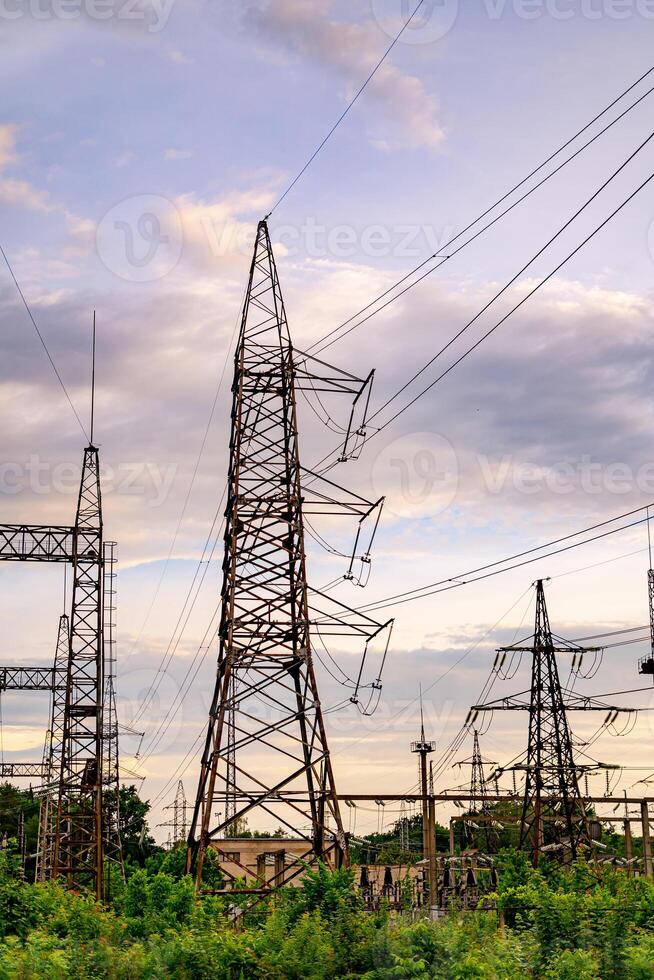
<point>140,142</point>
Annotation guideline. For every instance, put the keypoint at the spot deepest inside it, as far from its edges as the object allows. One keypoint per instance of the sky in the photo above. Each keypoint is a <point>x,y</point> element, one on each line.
<point>140,143</point>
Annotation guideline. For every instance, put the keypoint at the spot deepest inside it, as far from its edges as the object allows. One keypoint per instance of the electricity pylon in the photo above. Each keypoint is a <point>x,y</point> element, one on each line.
<point>551,791</point>
<point>79,834</point>
<point>550,759</point>
<point>266,747</point>
<point>479,792</point>
<point>178,823</point>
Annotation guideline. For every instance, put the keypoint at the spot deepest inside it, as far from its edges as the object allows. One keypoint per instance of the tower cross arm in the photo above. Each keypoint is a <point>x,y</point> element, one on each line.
<point>36,542</point>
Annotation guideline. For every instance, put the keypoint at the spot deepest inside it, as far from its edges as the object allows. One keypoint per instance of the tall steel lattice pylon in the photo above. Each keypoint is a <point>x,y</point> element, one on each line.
<point>554,816</point>
<point>266,748</point>
<point>79,836</point>
<point>52,757</point>
<point>550,768</point>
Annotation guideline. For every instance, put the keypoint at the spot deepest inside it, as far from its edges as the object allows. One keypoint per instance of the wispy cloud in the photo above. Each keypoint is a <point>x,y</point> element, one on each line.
<point>352,50</point>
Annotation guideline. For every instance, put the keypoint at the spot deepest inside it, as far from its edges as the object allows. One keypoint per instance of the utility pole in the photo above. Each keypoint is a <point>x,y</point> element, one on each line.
<point>646,664</point>
<point>423,748</point>
<point>266,750</point>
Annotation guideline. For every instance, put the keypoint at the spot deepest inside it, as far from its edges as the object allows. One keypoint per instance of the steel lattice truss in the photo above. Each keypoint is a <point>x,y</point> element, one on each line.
<point>22,770</point>
<point>78,852</point>
<point>550,760</point>
<point>34,678</point>
<point>76,832</point>
<point>266,747</point>
<point>550,768</point>
<point>52,754</point>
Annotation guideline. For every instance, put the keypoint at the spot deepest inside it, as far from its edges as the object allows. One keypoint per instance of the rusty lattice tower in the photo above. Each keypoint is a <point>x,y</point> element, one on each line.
<point>79,836</point>
<point>266,748</point>
<point>554,815</point>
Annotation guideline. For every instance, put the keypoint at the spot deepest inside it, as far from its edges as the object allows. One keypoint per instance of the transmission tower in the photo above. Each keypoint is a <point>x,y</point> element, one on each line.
<point>178,824</point>
<point>179,806</point>
<point>550,760</point>
<point>79,837</point>
<point>266,748</point>
<point>478,792</point>
<point>52,756</point>
<point>551,790</point>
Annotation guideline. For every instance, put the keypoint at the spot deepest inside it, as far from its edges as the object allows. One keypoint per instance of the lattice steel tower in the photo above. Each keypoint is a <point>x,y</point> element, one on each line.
<point>52,756</point>
<point>266,747</point>
<point>551,768</point>
<point>79,838</point>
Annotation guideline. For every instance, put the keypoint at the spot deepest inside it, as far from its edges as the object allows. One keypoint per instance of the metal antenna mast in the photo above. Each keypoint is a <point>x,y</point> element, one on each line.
<point>423,748</point>
<point>276,760</point>
<point>113,849</point>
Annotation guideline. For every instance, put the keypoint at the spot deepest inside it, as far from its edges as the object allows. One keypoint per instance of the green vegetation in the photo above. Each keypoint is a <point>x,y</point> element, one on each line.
<point>547,924</point>
<point>577,923</point>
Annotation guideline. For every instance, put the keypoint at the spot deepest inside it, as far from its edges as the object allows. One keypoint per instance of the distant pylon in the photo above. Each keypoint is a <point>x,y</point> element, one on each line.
<point>179,814</point>
<point>276,762</point>
<point>179,822</point>
<point>79,838</point>
<point>550,768</point>
<point>52,759</point>
<point>552,799</point>
<point>479,790</point>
